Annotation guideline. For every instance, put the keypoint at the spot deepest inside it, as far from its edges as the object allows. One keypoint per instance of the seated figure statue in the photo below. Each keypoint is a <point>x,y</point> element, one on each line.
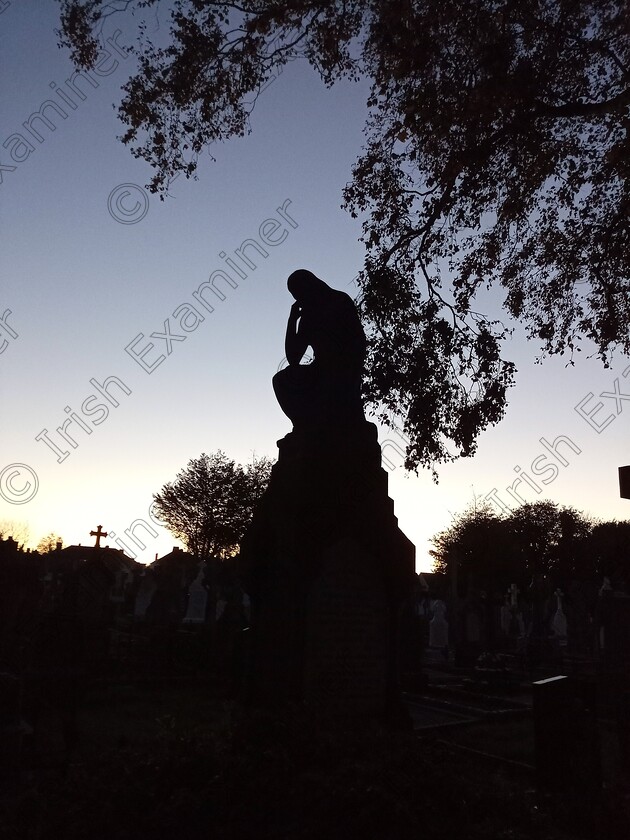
<point>328,390</point>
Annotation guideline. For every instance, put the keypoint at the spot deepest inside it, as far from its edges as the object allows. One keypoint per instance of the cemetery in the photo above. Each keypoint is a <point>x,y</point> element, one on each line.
<point>311,684</point>
<point>282,665</point>
<point>149,708</point>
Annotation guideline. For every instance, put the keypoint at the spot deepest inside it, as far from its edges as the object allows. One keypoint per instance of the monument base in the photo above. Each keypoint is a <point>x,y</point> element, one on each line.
<point>327,569</point>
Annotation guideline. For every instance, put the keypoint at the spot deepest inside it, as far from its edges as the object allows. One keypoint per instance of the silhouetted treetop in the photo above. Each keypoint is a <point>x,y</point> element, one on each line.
<point>210,503</point>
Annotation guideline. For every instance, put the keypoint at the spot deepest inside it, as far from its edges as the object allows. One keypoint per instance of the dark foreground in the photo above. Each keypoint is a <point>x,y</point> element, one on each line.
<point>181,762</point>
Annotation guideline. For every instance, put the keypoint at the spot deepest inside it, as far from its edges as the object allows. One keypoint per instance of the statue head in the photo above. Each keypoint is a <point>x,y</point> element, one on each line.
<point>305,287</point>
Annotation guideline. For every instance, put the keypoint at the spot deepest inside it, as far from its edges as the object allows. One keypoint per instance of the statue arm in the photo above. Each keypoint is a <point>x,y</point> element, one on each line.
<point>294,343</point>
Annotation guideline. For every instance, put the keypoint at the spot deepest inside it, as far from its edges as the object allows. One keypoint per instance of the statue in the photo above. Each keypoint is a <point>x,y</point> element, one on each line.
<point>329,389</point>
<point>324,563</point>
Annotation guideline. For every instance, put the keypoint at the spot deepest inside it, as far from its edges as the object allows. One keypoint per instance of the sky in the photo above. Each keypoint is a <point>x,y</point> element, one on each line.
<point>92,265</point>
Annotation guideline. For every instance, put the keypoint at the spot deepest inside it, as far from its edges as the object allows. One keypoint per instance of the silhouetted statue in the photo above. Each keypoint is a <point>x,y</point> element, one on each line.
<point>324,563</point>
<point>329,389</point>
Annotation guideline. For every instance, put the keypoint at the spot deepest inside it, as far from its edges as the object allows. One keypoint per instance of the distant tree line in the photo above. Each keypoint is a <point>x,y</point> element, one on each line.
<point>540,538</point>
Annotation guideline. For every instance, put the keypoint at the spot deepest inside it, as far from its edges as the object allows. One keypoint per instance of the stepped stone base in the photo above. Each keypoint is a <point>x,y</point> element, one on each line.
<point>327,569</point>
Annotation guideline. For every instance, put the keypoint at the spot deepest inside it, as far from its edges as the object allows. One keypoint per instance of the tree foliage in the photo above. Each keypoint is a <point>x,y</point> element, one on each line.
<point>18,531</point>
<point>609,547</point>
<point>497,155</point>
<point>211,502</point>
<point>479,544</point>
<point>48,543</point>
<point>540,538</point>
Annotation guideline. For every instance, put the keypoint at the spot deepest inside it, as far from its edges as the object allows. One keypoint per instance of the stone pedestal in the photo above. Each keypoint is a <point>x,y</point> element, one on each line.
<point>327,570</point>
<point>568,752</point>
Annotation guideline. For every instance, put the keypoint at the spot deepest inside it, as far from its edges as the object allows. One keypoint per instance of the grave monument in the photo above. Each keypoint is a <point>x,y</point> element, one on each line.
<point>324,562</point>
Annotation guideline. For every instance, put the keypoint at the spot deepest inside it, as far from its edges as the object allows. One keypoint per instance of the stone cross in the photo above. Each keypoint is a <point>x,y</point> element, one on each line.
<point>98,534</point>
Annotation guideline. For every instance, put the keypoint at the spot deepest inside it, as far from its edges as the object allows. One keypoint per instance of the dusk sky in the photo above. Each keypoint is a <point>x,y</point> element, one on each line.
<point>92,265</point>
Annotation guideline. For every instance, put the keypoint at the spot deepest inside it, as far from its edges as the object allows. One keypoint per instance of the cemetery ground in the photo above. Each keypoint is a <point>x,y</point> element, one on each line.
<point>179,758</point>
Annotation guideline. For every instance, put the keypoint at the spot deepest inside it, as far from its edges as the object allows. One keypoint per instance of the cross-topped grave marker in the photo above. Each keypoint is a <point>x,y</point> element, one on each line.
<point>98,534</point>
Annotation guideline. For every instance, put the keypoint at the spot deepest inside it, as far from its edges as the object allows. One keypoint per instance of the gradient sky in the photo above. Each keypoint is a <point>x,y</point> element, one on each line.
<point>83,283</point>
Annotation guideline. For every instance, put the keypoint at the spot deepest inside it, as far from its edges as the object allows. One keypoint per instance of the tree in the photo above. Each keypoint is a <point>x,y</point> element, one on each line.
<point>211,502</point>
<point>479,546</point>
<point>49,543</point>
<point>536,538</point>
<point>18,531</point>
<point>609,551</point>
<point>552,540</point>
<point>497,156</point>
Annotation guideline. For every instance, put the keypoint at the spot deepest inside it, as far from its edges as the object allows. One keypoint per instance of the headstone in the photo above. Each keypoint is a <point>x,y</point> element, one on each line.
<point>197,600</point>
<point>619,635</point>
<point>506,616</point>
<point>603,618</point>
<point>220,609</point>
<point>12,727</point>
<point>473,627</point>
<point>559,620</point>
<point>579,608</point>
<point>413,636</point>
<point>568,762</point>
<point>247,606</point>
<point>624,728</point>
<point>541,645</point>
<point>144,596</point>
<point>438,628</point>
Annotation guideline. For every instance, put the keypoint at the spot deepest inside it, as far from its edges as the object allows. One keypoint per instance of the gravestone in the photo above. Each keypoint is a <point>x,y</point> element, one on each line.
<point>473,627</point>
<point>324,563</point>
<point>414,637</point>
<point>603,617</point>
<point>197,600</point>
<point>541,644</point>
<point>144,596</point>
<point>580,602</point>
<point>506,616</point>
<point>559,620</point>
<point>618,637</point>
<point>438,628</point>
<point>568,761</point>
<point>12,728</point>
<point>516,628</point>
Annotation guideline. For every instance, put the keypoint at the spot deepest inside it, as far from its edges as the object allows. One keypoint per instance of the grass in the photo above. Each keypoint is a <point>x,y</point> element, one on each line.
<point>182,762</point>
<point>512,739</point>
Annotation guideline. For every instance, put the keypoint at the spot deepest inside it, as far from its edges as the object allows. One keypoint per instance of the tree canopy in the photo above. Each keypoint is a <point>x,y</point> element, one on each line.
<point>49,543</point>
<point>561,543</point>
<point>18,531</point>
<point>497,156</point>
<point>211,502</point>
<point>478,543</point>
